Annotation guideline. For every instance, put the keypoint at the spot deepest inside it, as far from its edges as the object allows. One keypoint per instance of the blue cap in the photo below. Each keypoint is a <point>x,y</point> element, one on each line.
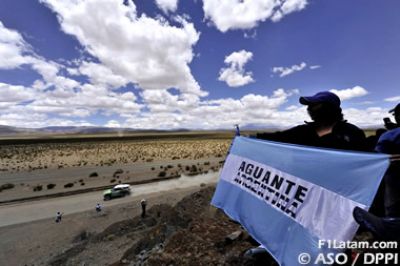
<point>321,97</point>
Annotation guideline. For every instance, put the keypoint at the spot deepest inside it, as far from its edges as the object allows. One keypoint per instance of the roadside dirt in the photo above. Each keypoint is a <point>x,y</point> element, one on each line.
<point>36,243</point>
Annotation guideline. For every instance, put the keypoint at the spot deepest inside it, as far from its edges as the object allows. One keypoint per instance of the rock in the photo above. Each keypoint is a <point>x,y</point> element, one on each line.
<point>233,236</point>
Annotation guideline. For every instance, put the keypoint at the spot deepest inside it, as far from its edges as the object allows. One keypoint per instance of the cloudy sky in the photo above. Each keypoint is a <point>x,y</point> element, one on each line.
<point>198,64</point>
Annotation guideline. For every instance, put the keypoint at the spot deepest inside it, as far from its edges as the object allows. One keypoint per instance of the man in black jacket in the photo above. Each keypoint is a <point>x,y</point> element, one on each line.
<point>328,129</point>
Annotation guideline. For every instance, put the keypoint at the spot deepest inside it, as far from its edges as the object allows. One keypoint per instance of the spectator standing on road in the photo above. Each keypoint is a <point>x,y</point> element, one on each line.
<point>389,143</point>
<point>58,217</point>
<point>98,208</point>
<point>143,203</point>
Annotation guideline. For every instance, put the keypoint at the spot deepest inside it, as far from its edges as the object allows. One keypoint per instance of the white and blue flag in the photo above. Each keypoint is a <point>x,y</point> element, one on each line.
<point>288,197</point>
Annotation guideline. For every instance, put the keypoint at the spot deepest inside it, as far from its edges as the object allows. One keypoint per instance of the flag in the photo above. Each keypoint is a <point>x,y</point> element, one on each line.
<point>289,197</point>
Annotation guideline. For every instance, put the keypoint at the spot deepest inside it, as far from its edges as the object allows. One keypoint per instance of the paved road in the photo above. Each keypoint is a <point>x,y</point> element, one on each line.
<point>37,210</point>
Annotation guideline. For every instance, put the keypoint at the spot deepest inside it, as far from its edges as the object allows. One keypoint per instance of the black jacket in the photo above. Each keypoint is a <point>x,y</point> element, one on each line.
<point>344,136</point>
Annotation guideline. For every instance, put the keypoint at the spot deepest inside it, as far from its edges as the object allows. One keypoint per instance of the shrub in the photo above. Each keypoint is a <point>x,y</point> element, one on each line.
<point>38,188</point>
<point>119,171</point>
<point>83,183</point>
<point>6,186</point>
<point>162,174</point>
<point>68,185</point>
<point>112,180</point>
<point>193,169</point>
<point>94,174</point>
<point>50,186</point>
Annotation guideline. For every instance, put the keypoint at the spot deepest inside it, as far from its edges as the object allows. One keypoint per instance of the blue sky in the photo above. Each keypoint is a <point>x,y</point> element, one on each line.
<point>198,64</point>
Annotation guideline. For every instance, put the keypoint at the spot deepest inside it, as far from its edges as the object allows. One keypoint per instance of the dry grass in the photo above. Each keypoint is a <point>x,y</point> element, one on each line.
<point>61,155</point>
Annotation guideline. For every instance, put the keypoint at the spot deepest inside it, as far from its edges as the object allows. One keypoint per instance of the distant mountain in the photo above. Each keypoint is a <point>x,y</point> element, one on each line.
<point>8,130</point>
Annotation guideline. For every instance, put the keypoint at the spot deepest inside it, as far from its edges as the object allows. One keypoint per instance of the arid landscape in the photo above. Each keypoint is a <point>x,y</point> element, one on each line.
<point>40,176</point>
<point>175,173</point>
<point>30,168</point>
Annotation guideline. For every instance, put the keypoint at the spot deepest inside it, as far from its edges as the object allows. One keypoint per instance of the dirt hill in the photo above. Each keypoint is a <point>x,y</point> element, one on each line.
<point>190,233</point>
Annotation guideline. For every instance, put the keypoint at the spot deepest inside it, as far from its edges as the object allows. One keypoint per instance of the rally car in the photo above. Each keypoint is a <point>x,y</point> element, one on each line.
<point>118,191</point>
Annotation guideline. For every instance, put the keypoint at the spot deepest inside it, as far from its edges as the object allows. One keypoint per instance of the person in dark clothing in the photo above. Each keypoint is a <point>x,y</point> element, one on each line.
<point>59,217</point>
<point>98,208</point>
<point>143,203</point>
<point>389,125</point>
<point>372,140</point>
<point>389,143</point>
<point>328,129</point>
<point>386,229</point>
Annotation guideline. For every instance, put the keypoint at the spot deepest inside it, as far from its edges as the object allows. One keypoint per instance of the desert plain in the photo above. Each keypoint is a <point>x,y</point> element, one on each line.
<point>41,175</point>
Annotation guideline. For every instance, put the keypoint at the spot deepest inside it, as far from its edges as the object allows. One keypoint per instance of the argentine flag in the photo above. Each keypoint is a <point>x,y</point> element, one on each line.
<point>288,197</point>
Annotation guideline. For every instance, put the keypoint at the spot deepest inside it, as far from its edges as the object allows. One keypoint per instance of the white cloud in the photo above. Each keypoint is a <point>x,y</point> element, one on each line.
<point>315,67</point>
<point>288,7</point>
<point>235,75</point>
<point>167,5</point>
<point>347,94</point>
<point>154,56</point>
<point>145,51</point>
<point>238,14</point>
<point>100,75</point>
<point>14,94</point>
<point>20,116</point>
<point>13,49</point>
<point>393,99</point>
<point>57,95</point>
<point>285,71</point>
<point>369,117</point>
<point>15,52</point>
<point>223,113</point>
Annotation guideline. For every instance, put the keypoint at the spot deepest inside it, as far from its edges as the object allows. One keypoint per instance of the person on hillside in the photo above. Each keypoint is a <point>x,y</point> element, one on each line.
<point>143,204</point>
<point>328,129</point>
<point>389,143</point>
<point>372,140</point>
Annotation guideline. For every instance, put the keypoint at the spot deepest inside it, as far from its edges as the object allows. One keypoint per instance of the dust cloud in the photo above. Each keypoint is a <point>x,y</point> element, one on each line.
<point>182,182</point>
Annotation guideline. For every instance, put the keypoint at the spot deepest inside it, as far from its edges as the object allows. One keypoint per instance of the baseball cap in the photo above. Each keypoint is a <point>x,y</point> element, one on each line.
<point>321,97</point>
<point>396,109</point>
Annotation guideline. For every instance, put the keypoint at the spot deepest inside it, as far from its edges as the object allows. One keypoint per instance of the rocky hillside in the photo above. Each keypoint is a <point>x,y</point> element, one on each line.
<point>190,233</point>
